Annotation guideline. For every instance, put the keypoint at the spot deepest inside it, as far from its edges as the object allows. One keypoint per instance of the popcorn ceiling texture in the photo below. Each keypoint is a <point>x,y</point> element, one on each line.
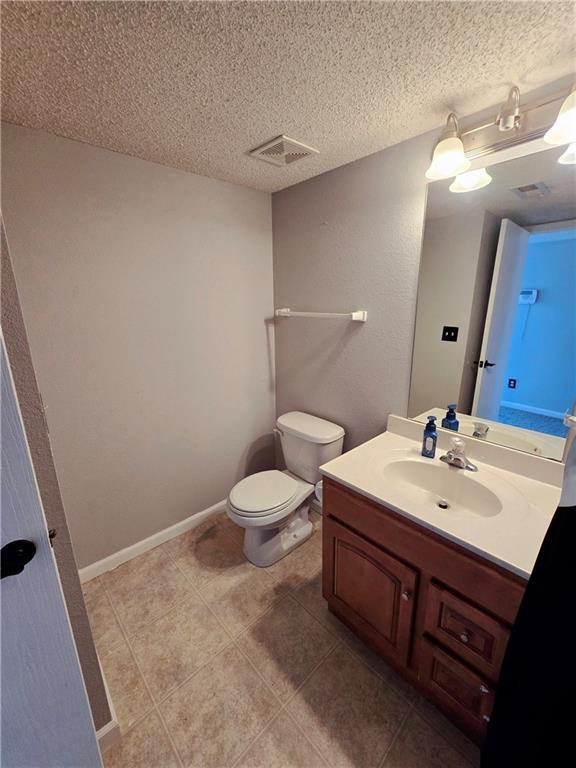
<point>196,85</point>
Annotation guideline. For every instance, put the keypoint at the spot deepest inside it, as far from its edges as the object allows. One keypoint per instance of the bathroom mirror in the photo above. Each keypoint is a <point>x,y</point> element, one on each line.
<point>496,316</point>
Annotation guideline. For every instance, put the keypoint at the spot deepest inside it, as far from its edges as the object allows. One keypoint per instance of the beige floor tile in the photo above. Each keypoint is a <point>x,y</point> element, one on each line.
<point>285,645</point>
<point>419,746</point>
<point>145,746</point>
<point>316,519</point>
<point>282,745</point>
<point>205,554</point>
<point>214,716</point>
<point>436,719</point>
<point>240,599</point>
<point>309,594</point>
<point>94,587</point>
<point>170,649</point>
<point>145,589</point>
<point>105,628</point>
<point>348,712</point>
<point>301,565</point>
<point>129,694</point>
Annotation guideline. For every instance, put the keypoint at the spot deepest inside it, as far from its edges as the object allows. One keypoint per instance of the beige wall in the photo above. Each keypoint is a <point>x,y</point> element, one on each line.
<point>457,261</point>
<point>145,292</point>
<point>350,239</point>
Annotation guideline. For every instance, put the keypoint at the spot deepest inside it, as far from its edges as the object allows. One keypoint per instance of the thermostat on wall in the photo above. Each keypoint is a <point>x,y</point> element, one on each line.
<point>528,296</point>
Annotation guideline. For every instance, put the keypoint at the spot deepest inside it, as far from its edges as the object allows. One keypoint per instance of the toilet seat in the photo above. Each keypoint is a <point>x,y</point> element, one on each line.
<point>263,493</point>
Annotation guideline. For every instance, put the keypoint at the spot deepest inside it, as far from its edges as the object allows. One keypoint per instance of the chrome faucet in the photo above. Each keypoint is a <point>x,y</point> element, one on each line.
<point>456,456</point>
<point>480,430</point>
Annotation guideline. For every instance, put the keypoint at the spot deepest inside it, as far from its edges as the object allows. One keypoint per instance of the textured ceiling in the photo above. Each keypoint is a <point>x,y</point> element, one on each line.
<point>196,85</point>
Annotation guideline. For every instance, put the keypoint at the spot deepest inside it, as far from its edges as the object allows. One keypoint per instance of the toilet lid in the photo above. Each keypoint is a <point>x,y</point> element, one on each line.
<point>262,491</point>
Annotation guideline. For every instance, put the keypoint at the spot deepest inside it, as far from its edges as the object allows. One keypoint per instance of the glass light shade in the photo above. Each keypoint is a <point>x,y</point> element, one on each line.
<point>569,156</point>
<point>468,182</point>
<point>564,129</point>
<point>448,159</point>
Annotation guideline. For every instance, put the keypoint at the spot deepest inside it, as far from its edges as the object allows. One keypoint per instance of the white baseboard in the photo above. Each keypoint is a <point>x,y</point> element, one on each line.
<point>113,561</point>
<point>532,409</point>
<point>108,735</point>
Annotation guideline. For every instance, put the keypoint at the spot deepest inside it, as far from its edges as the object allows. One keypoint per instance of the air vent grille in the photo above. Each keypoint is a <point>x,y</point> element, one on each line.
<point>538,189</point>
<point>283,151</point>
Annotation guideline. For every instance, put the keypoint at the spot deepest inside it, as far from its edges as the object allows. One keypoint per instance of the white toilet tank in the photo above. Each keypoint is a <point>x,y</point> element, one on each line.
<point>308,442</point>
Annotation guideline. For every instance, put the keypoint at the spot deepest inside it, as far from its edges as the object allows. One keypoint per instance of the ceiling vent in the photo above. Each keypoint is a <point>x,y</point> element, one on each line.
<point>283,151</point>
<point>539,189</point>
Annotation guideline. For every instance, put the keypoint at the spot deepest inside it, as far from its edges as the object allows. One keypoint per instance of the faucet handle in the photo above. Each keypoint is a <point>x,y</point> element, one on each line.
<point>458,446</point>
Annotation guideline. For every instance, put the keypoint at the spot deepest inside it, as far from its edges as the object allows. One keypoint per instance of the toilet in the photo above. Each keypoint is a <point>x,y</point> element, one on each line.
<point>272,506</point>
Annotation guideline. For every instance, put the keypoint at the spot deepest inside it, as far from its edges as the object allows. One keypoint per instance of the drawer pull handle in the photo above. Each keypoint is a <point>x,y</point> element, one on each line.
<point>465,637</point>
<point>406,595</point>
<point>484,689</point>
<point>486,718</point>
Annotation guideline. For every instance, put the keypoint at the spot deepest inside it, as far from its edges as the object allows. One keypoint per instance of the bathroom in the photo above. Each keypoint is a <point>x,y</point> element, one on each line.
<point>179,182</point>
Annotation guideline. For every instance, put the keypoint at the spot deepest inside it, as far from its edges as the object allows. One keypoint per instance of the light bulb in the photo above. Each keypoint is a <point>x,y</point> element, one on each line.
<point>564,129</point>
<point>448,158</point>
<point>569,156</point>
<point>468,182</point>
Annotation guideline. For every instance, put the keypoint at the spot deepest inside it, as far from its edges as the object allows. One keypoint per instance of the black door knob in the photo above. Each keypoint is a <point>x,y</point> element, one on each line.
<point>488,365</point>
<point>15,555</point>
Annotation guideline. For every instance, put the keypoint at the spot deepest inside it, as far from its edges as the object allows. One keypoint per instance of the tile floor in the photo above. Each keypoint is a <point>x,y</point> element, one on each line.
<point>213,663</point>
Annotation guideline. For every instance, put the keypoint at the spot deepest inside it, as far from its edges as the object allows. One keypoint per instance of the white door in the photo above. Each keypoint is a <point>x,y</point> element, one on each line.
<point>46,719</point>
<point>500,317</point>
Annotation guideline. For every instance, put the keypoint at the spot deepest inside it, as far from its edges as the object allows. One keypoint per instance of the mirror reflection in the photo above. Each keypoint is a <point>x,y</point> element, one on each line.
<point>495,334</point>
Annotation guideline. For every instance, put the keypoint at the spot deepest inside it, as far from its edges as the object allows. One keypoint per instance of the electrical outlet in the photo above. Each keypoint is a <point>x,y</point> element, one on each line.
<point>450,333</point>
<point>511,383</point>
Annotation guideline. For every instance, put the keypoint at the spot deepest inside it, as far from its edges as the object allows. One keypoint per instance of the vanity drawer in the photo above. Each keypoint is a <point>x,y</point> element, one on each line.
<point>475,636</point>
<point>463,692</point>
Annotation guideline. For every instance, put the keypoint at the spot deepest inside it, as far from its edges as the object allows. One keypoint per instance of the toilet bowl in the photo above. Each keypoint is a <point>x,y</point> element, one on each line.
<point>272,506</point>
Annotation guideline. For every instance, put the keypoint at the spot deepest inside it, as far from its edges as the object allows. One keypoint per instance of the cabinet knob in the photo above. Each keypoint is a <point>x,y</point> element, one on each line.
<point>465,637</point>
<point>406,595</point>
<point>484,689</point>
<point>486,718</point>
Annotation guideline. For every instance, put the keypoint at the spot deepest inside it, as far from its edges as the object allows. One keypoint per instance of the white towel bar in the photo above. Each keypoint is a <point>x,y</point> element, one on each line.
<point>359,316</point>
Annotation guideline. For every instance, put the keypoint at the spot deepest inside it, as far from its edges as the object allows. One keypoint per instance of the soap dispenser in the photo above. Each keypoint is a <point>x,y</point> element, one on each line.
<point>429,439</point>
<point>450,421</point>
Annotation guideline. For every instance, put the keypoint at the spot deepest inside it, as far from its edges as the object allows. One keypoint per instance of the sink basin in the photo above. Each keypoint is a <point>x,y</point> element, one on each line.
<point>453,491</point>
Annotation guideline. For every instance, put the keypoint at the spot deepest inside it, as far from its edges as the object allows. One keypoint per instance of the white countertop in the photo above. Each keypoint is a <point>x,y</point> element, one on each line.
<point>510,539</point>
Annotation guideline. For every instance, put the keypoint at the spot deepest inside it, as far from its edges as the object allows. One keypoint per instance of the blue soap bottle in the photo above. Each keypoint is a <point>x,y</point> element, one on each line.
<point>430,437</point>
<point>450,421</point>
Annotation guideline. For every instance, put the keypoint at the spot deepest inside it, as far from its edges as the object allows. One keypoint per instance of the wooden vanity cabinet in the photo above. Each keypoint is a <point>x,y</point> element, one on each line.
<point>438,613</point>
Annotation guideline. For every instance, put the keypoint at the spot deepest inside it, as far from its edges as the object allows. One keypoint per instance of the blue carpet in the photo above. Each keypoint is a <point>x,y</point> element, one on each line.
<point>547,424</point>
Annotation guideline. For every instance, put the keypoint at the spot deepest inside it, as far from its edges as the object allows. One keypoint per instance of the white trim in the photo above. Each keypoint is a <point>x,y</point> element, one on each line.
<point>108,735</point>
<point>532,409</point>
<point>553,226</point>
<point>113,561</point>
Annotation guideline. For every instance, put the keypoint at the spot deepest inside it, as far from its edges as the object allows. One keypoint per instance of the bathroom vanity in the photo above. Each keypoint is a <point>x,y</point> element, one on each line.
<point>434,590</point>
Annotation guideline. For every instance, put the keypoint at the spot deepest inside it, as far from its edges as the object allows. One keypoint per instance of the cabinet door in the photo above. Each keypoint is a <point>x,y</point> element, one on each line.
<point>369,589</point>
<point>460,690</point>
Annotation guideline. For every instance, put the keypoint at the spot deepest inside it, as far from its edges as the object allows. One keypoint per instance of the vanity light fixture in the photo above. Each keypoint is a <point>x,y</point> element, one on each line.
<point>569,156</point>
<point>470,181</point>
<point>509,115</point>
<point>564,129</point>
<point>448,158</point>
